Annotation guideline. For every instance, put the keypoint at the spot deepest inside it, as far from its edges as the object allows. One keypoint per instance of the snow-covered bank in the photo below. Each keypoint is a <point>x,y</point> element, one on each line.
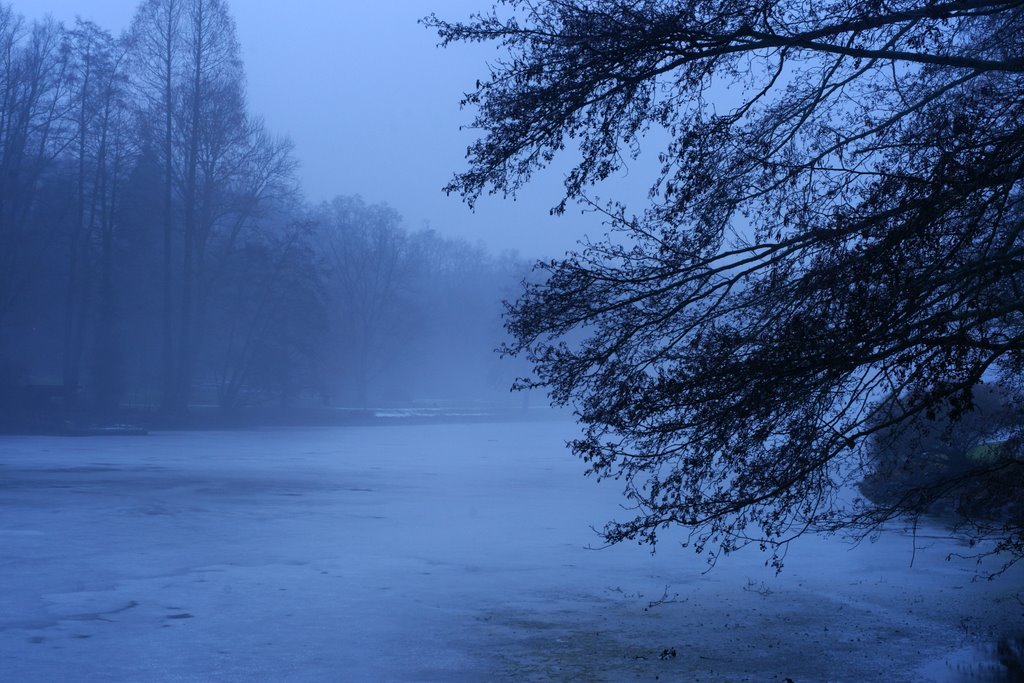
<point>428,552</point>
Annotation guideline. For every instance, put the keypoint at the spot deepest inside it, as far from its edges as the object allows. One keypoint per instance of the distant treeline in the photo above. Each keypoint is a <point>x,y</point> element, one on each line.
<point>155,250</point>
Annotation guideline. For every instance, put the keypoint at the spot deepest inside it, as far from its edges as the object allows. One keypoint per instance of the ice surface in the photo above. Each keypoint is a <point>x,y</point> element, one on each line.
<point>429,552</point>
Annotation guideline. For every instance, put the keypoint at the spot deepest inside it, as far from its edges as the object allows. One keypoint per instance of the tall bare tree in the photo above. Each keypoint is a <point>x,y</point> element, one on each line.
<point>157,56</point>
<point>370,271</point>
<point>101,138</point>
<point>33,133</point>
<point>116,152</point>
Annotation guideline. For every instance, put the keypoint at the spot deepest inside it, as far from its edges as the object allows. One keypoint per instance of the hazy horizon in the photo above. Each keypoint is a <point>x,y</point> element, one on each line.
<point>372,105</point>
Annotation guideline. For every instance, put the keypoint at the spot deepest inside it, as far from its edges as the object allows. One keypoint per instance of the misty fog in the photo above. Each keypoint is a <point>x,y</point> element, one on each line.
<point>257,277</point>
<point>264,385</point>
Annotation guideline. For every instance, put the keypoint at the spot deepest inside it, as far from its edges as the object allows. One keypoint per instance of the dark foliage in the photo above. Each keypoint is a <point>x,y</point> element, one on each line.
<point>958,471</point>
<point>837,219</point>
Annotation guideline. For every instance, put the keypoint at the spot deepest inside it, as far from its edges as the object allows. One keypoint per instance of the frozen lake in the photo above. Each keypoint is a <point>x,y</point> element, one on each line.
<point>430,552</point>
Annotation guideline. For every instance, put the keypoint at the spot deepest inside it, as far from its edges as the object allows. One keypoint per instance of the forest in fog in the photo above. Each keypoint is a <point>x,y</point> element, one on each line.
<point>156,251</point>
<point>786,350</point>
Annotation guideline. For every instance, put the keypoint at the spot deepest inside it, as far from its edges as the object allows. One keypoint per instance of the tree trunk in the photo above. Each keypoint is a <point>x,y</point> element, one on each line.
<point>71,348</point>
<point>167,384</point>
<point>185,341</point>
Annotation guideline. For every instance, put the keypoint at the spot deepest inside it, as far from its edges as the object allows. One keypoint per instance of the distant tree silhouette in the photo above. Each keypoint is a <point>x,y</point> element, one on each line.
<point>156,40</point>
<point>370,271</point>
<point>33,109</point>
<point>102,138</point>
<point>220,167</point>
<point>838,218</point>
<point>270,328</point>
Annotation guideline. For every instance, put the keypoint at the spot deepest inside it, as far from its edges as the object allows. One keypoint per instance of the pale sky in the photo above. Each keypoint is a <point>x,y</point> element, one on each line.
<point>372,106</point>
